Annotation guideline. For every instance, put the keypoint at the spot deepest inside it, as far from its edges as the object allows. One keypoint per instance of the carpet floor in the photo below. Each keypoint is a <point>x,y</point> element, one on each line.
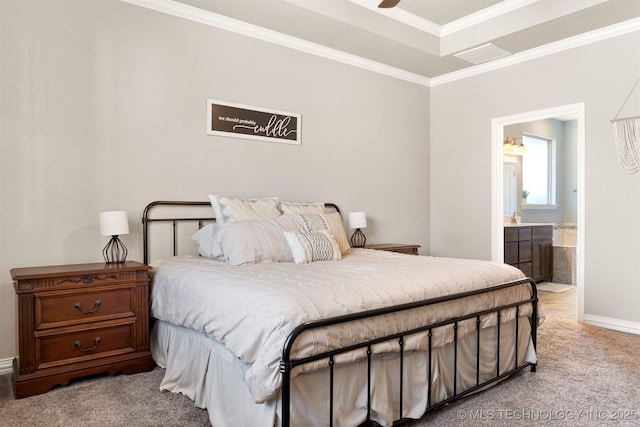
<point>586,376</point>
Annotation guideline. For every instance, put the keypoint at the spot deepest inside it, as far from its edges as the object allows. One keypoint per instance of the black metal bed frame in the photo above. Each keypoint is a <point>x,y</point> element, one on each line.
<point>147,220</point>
<point>288,363</point>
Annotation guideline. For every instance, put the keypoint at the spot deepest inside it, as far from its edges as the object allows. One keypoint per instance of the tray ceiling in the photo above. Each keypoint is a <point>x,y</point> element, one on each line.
<point>420,40</point>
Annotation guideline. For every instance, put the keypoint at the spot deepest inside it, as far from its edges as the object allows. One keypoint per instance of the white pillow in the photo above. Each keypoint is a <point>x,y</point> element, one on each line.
<point>206,240</point>
<point>228,209</point>
<point>299,208</point>
<point>332,223</point>
<point>311,247</point>
<point>257,240</point>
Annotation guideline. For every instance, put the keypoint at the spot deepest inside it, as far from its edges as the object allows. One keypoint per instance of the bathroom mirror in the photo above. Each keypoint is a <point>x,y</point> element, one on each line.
<point>510,193</point>
<point>555,171</point>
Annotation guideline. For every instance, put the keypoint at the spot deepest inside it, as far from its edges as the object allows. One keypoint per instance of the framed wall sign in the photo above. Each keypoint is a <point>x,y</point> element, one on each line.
<point>241,121</point>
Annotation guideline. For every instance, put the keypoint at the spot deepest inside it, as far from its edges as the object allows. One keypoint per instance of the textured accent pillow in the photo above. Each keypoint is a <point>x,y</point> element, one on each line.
<point>227,209</point>
<point>301,208</point>
<point>207,242</point>
<point>257,240</point>
<point>311,247</point>
<point>332,223</point>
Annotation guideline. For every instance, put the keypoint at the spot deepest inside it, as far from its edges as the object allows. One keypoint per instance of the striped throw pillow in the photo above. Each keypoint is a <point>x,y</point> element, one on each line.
<point>311,247</point>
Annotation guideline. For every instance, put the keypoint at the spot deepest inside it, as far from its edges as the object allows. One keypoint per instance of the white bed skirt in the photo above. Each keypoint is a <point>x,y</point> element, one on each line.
<point>202,369</point>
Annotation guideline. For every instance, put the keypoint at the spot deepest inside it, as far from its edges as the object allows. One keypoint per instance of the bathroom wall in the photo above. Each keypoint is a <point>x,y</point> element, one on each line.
<point>565,134</point>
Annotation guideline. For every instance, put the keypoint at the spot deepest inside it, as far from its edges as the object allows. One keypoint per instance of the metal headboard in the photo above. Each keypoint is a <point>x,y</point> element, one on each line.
<point>147,219</point>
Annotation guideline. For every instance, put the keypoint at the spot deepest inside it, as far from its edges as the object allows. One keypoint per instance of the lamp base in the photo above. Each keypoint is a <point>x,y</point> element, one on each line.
<point>358,239</point>
<point>114,252</point>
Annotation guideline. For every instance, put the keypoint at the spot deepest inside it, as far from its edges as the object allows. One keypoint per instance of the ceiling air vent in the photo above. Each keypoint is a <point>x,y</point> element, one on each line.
<point>484,53</point>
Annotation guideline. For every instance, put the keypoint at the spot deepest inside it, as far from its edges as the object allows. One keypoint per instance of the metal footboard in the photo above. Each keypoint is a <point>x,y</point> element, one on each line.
<point>288,363</point>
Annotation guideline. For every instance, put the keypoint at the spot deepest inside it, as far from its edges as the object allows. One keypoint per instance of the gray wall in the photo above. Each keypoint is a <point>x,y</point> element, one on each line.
<point>104,107</point>
<point>600,75</point>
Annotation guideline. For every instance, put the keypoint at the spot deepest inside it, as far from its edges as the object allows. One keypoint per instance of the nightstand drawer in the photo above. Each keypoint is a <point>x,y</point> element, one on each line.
<point>64,308</point>
<point>86,344</point>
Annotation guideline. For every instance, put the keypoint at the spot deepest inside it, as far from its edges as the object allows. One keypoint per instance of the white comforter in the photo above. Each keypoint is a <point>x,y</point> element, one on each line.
<point>252,308</point>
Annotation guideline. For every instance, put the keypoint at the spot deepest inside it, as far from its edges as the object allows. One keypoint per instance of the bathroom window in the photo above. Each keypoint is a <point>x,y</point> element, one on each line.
<point>539,170</point>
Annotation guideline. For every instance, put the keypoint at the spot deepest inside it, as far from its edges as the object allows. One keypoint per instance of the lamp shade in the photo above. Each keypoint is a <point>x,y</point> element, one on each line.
<point>114,223</point>
<point>357,220</point>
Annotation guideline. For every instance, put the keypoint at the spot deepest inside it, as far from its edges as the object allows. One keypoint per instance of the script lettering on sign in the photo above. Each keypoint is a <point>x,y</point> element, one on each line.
<point>241,121</point>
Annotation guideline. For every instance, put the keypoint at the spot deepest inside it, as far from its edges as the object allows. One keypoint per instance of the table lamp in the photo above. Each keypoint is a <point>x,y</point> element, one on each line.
<point>114,223</point>
<point>358,220</point>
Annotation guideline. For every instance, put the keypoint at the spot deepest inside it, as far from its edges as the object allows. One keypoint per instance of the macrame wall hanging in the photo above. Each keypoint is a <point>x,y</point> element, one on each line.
<point>626,133</point>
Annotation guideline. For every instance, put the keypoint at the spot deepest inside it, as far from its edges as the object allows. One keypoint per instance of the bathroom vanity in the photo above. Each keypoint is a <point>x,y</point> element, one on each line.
<point>529,247</point>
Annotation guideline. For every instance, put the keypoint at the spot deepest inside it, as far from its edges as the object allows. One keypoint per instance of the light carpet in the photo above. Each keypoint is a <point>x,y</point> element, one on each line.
<point>586,376</point>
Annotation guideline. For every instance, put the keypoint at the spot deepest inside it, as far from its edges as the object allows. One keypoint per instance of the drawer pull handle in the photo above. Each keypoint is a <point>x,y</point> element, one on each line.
<point>96,306</point>
<point>95,345</point>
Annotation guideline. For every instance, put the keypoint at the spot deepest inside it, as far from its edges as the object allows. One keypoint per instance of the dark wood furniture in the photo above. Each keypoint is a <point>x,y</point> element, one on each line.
<point>77,320</point>
<point>530,248</point>
<point>395,247</point>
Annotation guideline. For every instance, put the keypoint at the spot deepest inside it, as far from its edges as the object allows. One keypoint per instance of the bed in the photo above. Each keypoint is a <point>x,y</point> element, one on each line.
<point>366,337</point>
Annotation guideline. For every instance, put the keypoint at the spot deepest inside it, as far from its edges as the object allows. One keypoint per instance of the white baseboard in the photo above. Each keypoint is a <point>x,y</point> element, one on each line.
<point>6,366</point>
<point>615,324</point>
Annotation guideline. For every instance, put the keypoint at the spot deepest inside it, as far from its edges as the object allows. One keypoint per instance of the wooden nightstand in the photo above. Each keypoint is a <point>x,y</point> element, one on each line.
<point>77,320</point>
<point>394,247</point>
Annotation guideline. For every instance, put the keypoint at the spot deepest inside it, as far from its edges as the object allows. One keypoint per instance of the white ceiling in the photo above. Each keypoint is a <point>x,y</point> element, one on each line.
<point>418,39</point>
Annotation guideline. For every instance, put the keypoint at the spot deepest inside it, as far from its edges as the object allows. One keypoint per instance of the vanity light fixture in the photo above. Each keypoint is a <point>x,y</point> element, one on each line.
<point>358,220</point>
<point>114,223</point>
<point>513,145</point>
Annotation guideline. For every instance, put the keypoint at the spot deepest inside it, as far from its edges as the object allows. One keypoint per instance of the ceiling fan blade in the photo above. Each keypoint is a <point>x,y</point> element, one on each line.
<point>388,3</point>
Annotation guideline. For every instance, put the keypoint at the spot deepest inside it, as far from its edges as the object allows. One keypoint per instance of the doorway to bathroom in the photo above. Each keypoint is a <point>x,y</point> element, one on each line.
<point>555,162</point>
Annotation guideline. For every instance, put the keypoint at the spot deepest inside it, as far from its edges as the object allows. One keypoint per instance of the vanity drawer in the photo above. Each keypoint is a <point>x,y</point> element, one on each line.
<point>526,268</point>
<point>524,252</point>
<point>73,346</point>
<point>510,234</point>
<point>511,253</point>
<point>64,308</point>
<point>542,233</point>
<point>524,233</point>
<point>528,247</point>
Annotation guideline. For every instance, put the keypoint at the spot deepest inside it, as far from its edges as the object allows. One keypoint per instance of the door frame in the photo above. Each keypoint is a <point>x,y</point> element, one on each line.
<point>497,137</point>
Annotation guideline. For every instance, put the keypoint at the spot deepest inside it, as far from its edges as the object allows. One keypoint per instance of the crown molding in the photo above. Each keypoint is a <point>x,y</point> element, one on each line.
<point>483,15</point>
<point>541,51</point>
<point>405,17</point>
<point>434,29</point>
<point>191,13</point>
